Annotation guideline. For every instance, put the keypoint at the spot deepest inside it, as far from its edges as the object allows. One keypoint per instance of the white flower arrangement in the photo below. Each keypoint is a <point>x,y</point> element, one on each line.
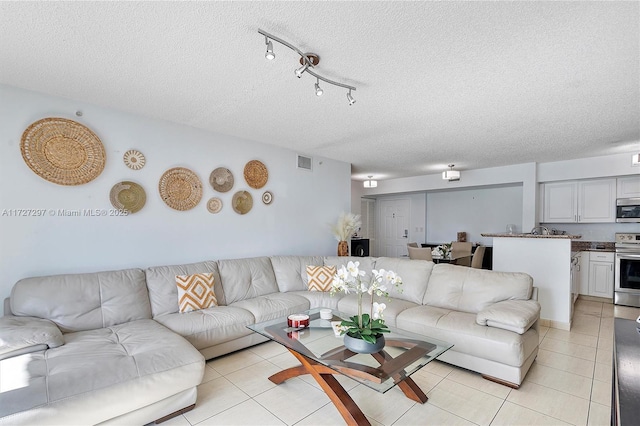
<point>350,279</point>
<point>442,250</point>
<point>347,224</point>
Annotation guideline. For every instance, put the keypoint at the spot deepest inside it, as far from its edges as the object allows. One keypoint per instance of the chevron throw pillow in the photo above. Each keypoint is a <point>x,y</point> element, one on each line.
<point>320,277</point>
<point>195,292</point>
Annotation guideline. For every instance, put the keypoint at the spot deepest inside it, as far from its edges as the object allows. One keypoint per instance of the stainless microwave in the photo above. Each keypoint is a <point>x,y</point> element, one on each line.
<point>628,210</point>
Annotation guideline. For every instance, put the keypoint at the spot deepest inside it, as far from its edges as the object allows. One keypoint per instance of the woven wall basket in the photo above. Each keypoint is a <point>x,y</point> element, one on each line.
<point>242,202</point>
<point>256,174</point>
<point>180,188</point>
<point>128,196</point>
<point>221,179</point>
<point>62,151</point>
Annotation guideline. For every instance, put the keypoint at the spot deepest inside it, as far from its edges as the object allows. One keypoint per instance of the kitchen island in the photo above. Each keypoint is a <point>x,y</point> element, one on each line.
<point>547,258</point>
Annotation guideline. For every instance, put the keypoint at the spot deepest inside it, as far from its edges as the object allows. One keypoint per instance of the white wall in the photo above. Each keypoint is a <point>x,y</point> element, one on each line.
<point>524,175</point>
<point>474,211</point>
<point>297,222</point>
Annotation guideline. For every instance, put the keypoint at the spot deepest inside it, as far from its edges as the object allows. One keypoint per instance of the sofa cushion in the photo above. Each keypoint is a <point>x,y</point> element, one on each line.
<point>320,277</point>
<point>512,315</point>
<point>320,299</point>
<point>461,330</point>
<point>20,335</point>
<point>76,302</point>
<point>415,277</point>
<point>163,293</point>
<point>290,271</point>
<point>246,278</point>
<point>471,290</point>
<point>195,292</point>
<point>209,327</point>
<point>140,361</point>
<point>272,306</point>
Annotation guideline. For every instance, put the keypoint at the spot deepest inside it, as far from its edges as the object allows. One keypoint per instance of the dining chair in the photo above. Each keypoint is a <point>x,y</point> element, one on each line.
<point>462,250</point>
<point>478,257</point>
<point>413,245</point>
<point>419,253</point>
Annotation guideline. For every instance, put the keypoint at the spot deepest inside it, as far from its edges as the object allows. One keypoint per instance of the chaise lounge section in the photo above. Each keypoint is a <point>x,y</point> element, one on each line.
<point>113,347</point>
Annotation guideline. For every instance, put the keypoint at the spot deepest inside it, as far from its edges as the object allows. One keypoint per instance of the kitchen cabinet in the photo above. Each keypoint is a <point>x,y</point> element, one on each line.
<point>587,201</point>
<point>628,187</point>
<point>601,274</point>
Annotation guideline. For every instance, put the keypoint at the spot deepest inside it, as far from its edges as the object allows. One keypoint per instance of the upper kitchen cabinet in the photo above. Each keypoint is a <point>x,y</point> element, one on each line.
<point>629,187</point>
<point>587,201</point>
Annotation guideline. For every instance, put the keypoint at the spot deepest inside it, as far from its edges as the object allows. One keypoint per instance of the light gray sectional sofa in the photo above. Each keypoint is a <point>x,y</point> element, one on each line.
<point>112,347</point>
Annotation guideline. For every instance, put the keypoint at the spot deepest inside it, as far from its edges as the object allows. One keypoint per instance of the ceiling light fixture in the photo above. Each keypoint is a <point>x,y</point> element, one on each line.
<point>370,183</point>
<point>308,61</point>
<point>451,175</point>
<point>269,54</point>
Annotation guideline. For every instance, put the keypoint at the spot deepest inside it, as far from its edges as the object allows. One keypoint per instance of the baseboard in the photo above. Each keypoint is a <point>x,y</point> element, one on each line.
<point>596,299</point>
<point>555,324</point>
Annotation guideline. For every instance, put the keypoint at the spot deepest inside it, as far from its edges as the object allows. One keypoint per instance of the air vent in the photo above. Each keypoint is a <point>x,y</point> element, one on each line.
<point>304,162</point>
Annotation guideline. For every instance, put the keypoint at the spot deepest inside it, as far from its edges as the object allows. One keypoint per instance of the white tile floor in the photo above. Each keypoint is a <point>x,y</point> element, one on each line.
<point>569,383</point>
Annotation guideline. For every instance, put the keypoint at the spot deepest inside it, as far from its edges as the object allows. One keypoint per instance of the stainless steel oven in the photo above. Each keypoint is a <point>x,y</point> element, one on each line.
<point>627,270</point>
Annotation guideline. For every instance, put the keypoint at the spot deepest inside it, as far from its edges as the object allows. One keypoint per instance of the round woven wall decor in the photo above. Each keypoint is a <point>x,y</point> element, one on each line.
<point>221,179</point>
<point>256,174</point>
<point>180,188</point>
<point>214,205</point>
<point>128,196</point>
<point>134,159</point>
<point>242,202</point>
<point>62,151</point>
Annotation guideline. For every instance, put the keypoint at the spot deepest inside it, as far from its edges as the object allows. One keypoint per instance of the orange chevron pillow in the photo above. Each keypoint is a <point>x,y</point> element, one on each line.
<point>320,277</point>
<point>195,292</point>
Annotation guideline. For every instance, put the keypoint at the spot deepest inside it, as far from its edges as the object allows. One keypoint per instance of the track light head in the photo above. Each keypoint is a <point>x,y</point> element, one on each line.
<point>350,98</point>
<point>319,90</point>
<point>301,70</point>
<point>269,54</point>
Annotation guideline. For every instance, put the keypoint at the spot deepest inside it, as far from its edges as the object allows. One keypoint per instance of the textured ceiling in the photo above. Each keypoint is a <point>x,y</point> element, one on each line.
<point>478,84</point>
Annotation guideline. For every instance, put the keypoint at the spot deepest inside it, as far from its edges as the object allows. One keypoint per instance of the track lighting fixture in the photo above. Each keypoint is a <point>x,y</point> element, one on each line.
<point>308,61</point>
<point>451,175</point>
<point>269,54</point>
<point>350,98</point>
<point>301,70</point>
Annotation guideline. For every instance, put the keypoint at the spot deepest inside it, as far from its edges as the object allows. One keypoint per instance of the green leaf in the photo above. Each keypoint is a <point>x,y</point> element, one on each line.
<point>370,339</point>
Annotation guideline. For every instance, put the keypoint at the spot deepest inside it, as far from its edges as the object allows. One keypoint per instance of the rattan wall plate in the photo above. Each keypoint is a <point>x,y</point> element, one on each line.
<point>256,174</point>
<point>62,151</point>
<point>128,196</point>
<point>180,188</point>
<point>242,202</point>
<point>214,205</point>
<point>134,159</point>
<point>221,179</point>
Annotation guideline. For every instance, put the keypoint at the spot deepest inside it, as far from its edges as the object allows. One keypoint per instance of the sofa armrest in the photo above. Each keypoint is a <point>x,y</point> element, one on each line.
<point>513,315</point>
<point>19,335</point>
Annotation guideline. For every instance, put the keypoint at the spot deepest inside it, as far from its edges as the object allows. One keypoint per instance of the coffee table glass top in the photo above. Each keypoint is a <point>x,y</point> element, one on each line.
<point>404,353</point>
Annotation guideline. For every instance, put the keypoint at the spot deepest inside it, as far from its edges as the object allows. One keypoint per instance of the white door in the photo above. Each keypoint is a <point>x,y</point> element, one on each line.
<point>394,227</point>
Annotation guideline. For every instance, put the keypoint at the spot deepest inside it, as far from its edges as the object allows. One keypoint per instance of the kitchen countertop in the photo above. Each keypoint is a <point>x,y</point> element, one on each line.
<point>570,237</point>
<point>593,246</point>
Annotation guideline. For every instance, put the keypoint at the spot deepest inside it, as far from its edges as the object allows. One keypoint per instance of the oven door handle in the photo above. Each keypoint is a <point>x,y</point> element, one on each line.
<point>627,256</point>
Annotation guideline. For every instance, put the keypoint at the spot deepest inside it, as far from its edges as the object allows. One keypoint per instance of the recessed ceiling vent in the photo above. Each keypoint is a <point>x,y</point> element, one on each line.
<point>304,163</point>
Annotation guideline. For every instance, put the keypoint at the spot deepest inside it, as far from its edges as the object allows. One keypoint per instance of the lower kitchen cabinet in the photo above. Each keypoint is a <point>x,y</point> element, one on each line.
<point>601,274</point>
<point>596,274</point>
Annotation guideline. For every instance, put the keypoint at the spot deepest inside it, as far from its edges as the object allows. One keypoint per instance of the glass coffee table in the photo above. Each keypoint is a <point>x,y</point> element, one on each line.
<point>322,355</point>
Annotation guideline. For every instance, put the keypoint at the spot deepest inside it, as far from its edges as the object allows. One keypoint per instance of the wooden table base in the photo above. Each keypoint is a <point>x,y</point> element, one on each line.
<point>340,398</point>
